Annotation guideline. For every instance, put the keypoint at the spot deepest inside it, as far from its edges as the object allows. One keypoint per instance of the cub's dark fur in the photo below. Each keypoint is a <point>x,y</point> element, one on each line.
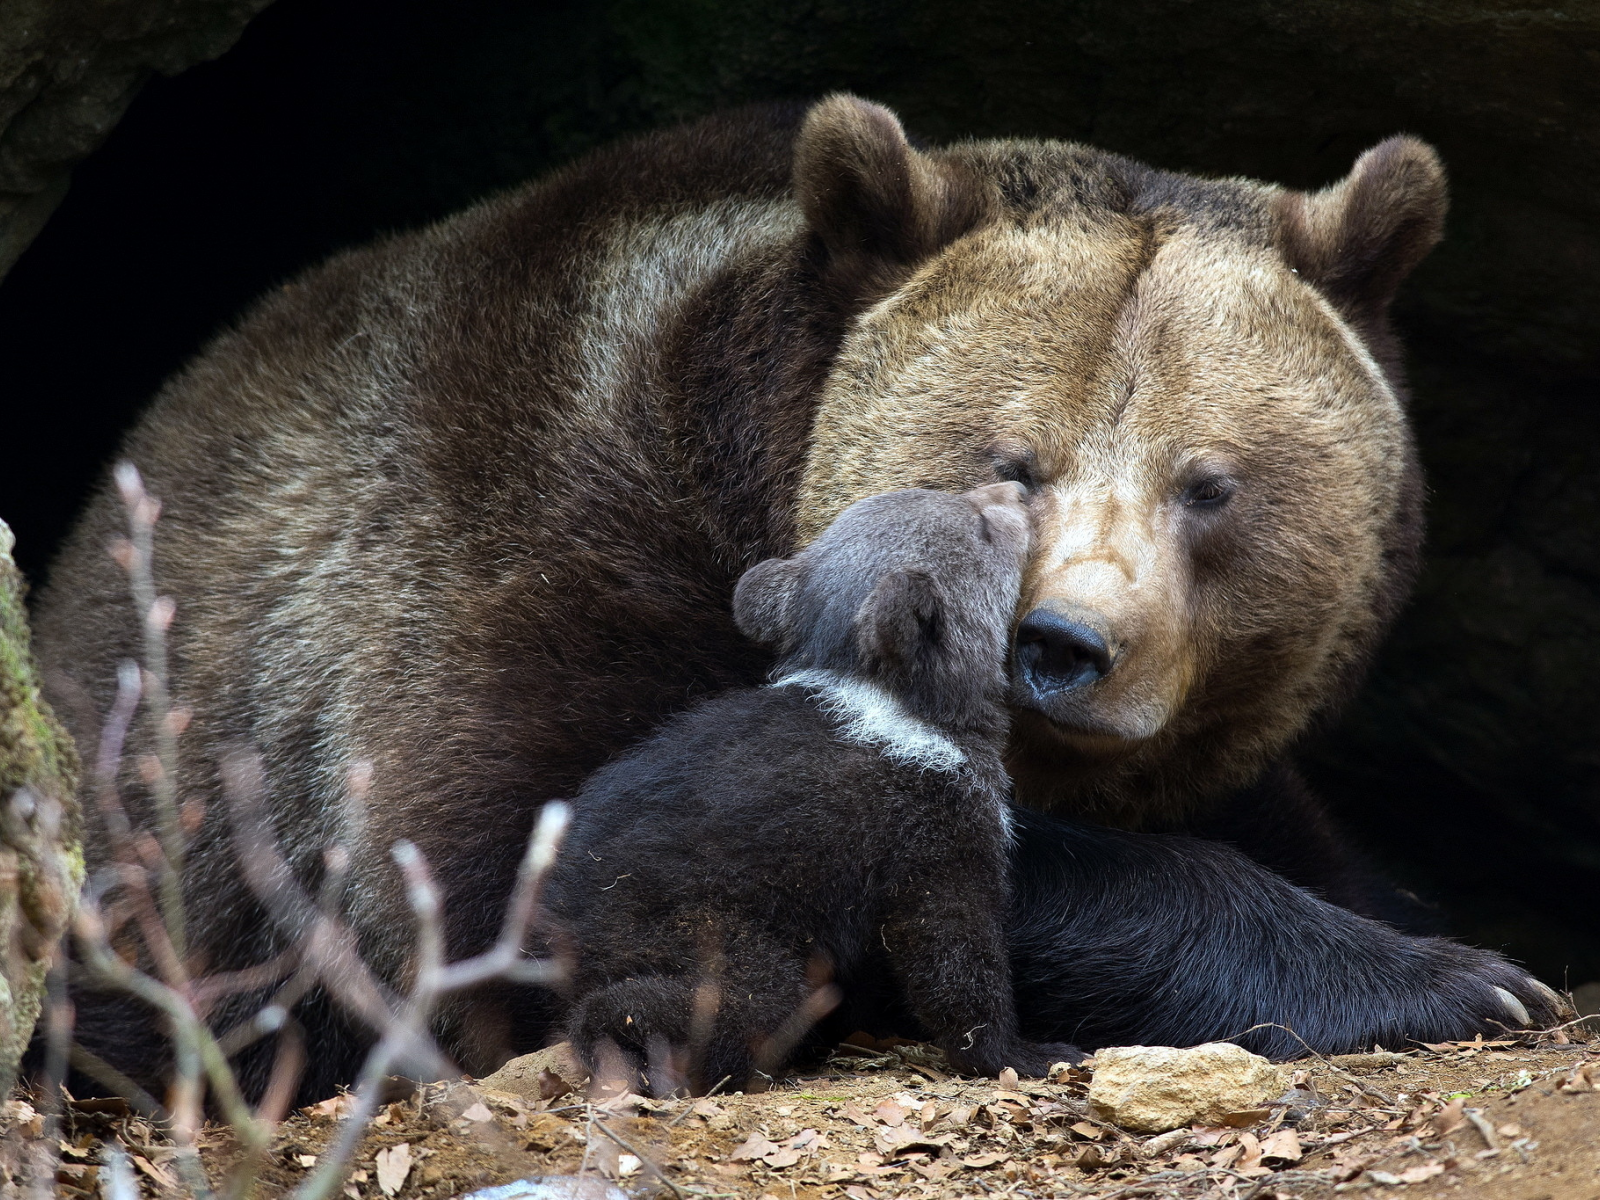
<point>849,822</point>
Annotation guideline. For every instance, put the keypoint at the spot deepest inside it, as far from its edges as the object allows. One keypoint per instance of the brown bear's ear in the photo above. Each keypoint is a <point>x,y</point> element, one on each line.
<point>1357,240</point>
<point>761,601</point>
<point>878,205</point>
<point>899,615</point>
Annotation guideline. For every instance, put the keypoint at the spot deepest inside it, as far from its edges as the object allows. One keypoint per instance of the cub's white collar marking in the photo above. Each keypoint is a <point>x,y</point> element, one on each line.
<point>870,716</point>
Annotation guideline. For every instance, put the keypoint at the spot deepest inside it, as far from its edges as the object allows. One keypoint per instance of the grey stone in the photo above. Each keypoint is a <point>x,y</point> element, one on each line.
<point>552,1187</point>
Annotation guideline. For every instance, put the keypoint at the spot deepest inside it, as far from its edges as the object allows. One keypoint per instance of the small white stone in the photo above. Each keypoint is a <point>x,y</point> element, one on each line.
<point>1153,1089</point>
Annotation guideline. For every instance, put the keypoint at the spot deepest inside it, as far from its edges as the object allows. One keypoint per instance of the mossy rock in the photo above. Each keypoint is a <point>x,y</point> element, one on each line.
<point>41,861</point>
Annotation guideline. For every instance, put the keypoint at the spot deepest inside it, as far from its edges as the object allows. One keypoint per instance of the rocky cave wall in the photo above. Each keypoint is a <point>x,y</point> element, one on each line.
<point>1472,762</point>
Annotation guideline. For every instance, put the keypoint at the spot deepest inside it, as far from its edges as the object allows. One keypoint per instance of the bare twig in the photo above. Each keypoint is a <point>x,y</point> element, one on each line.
<point>644,1159</point>
<point>407,1030</point>
<point>140,892</point>
<point>1360,1085</point>
<point>137,557</point>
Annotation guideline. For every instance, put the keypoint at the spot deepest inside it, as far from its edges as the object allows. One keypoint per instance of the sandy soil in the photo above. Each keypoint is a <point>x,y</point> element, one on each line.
<point>1513,1120</point>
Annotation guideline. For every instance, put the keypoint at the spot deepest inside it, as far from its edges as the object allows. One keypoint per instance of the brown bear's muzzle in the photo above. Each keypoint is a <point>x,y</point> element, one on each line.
<point>1103,650</point>
<point>1060,648</point>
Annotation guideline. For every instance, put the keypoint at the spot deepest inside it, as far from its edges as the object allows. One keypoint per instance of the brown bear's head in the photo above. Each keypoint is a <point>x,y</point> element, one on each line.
<point>1193,380</point>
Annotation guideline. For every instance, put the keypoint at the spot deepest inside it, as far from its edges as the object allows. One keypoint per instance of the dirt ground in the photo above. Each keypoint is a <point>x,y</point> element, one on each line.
<point>1502,1120</point>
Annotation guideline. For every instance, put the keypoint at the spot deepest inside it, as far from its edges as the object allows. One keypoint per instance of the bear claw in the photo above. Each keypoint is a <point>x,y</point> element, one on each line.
<point>1515,1007</point>
<point>1556,1001</point>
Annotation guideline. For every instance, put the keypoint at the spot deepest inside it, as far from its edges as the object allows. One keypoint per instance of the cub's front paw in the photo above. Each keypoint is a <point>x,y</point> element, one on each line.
<point>1036,1058</point>
<point>1031,1060</point>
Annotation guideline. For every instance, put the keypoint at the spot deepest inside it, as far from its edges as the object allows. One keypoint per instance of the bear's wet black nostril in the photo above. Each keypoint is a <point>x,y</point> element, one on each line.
<point>1056,654</point>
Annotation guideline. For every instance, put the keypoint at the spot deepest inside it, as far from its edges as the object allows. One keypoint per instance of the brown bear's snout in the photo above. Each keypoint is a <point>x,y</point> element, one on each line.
<point>1059,649</point>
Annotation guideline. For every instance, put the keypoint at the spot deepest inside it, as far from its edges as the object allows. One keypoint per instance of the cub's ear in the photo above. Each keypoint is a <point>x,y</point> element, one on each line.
<point>878,205</point>
<point>1357,240</point>
<point>902,614</point>
<point>761,601</point>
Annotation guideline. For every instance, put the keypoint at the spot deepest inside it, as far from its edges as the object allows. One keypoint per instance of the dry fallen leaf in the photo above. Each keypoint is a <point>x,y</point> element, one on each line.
<point>1246,1117</point>
<point>333,1106</point>
<point>394,1164</point>
<point>978,1161</point>
<point>551,1085</point>
<point>155,1172</point>
<point>1450,1118</point>
<point>1413,1175</point>
<point>1249,1152</point>
<point>889,1113</point>
<point>1584,1078</point>
<point>755,1146</point>
<point>1007,1080</point>
<point>1284,1145</point>
<point>478,1112</point>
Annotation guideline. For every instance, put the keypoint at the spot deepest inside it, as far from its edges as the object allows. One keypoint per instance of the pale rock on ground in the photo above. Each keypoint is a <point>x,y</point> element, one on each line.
<point>1153,1089</point>
<point>539,1075</point>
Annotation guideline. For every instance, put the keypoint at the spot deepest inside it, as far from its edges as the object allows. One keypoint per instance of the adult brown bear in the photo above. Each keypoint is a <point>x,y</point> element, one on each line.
<point>469,504</point>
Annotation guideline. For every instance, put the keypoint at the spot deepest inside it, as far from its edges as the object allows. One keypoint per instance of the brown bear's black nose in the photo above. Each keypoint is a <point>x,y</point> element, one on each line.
<point>1057,654</point>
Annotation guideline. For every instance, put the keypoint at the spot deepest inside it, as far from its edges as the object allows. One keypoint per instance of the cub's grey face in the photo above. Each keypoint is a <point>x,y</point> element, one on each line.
<point>915,587</point>
<point>1214,464</point>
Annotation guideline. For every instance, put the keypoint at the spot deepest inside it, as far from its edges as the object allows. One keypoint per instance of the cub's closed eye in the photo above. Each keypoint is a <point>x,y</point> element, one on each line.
<point>1208,493</point>
<point>1012,470</point>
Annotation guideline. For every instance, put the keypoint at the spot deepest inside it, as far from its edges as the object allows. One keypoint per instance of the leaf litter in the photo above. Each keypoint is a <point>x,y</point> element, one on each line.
<point>1503,1119</point>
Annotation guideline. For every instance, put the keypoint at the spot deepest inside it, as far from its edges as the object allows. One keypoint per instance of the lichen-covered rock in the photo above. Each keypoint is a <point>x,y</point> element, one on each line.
<point>41,864</point>
<point>1151,1089</point>
<point>68,70</point>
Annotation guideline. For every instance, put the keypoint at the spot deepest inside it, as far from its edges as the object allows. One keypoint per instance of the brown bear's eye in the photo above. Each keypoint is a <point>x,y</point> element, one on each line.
<point>1211,492</point>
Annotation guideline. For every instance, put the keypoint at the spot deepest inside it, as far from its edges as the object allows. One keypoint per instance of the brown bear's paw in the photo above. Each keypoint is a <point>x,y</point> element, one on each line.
<point>1477,991</point>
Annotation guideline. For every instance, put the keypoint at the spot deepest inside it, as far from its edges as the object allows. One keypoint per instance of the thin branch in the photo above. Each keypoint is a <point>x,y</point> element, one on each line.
<point>155,614</point>
<point>644,1159</point>
<point>407,1030</point>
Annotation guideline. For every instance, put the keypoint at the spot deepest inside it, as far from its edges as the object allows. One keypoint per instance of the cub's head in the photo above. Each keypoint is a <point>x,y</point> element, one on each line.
<point>913,589</point>
<point>1192,382</point>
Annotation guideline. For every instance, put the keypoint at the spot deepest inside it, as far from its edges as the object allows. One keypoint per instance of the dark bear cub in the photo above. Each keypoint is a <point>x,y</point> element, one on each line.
<point>841,835</point>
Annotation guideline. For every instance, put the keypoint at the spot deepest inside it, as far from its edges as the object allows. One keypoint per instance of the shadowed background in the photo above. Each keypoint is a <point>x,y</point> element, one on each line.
<point>1471,765</point>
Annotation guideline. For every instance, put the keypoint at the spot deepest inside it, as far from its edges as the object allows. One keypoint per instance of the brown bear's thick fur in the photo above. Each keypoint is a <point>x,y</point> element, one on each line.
<point>469,504</point>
